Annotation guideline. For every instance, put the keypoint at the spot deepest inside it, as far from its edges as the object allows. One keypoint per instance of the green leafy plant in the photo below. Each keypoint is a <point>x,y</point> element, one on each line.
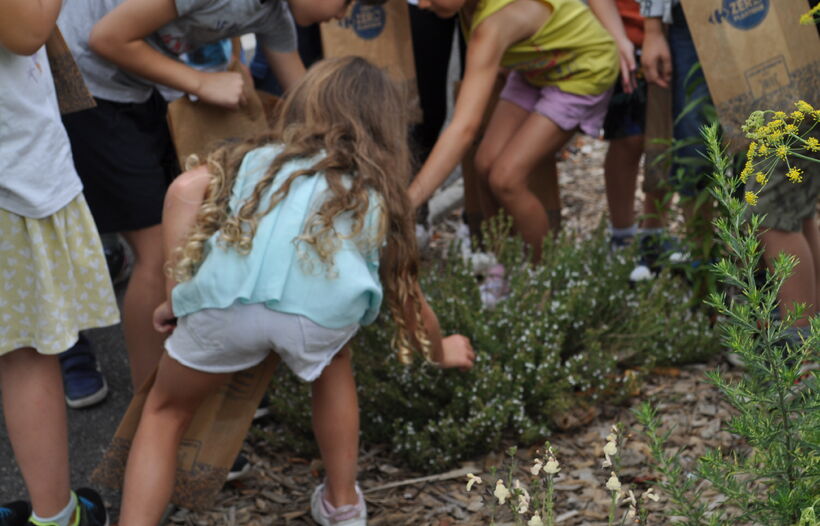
<point>777,481</point>
<point>571,333</point>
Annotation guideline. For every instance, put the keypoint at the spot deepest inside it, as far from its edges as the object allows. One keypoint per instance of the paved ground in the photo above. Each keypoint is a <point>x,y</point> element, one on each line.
<point>89,429</point>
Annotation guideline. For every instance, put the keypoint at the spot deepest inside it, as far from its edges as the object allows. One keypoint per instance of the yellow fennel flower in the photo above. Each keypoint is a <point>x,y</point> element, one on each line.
<point>780,115</point>
<point>747,171</point>
<point>782,151</point>
<point>795,175</point>
<point>791,128</point>
<point>804,106</point>
<point>812,144</point>
<point>751,198</point>
<point>760,177</point>
<point>763,150</point>
<point>750,153</point>
<point>797,116</point>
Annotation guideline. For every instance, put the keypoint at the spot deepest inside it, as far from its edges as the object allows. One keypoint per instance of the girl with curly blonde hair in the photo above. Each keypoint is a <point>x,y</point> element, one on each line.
<point>288,243</point>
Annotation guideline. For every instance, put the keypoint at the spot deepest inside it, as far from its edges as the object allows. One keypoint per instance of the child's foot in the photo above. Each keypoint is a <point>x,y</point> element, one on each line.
<point>90,511</point>
<point>15,513</point>
<point>83,382</point>
<point>325,514</point>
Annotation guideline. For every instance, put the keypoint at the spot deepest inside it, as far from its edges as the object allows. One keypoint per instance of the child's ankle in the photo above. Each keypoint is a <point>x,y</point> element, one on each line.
<point>344,496</point>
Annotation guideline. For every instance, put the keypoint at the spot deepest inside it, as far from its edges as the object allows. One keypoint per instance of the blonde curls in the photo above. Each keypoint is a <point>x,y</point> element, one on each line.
<point>349,116</point>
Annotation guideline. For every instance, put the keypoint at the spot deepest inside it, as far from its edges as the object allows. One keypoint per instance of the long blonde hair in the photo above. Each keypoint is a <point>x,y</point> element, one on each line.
<point>346,111</point>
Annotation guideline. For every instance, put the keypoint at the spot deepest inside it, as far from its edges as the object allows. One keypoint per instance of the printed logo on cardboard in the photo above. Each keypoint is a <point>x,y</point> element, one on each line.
<point>367,21</point>
<point>741,14</point>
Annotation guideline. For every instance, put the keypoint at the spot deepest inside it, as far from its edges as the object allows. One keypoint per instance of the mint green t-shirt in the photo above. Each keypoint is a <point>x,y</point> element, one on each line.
<point>285,275</point>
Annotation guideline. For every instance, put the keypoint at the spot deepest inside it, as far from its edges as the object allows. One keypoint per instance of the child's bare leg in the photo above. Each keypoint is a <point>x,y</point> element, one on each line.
<point>152,462</point>
<point>653,210</point>
<point>802,284</point>
<point>621,165</point>
<point>544,184</point>
<point>336,427</point>
<point>504,122</point>
<point>34,406</point>
<point>146,290</point>
<point>536,140</point>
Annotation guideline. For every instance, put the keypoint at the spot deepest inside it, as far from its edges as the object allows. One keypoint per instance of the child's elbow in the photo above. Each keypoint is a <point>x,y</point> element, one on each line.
<point>24,43</point>
<point>102,42</point>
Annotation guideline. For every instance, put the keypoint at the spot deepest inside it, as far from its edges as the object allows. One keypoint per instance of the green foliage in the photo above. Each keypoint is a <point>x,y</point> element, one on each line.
<point>564,336</point>
<point>777,481</point>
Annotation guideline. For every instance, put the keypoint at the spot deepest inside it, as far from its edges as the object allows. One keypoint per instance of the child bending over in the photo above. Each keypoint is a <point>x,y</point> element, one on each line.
<point>289,243</point>
<point>563,64</point>
<point>126,49</point>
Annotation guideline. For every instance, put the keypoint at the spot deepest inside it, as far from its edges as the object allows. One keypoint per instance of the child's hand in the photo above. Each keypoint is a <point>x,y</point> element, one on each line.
<point>656,59</point>
<point>456,351</point>
<point>222,89</point>
<point>626,50</point>
<point>164,319</point>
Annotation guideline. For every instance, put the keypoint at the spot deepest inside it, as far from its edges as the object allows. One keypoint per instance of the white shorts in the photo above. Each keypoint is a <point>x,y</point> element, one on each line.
<point>241,336</point>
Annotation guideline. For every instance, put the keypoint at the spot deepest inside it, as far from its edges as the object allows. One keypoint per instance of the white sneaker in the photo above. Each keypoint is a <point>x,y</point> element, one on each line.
<point>325,514</point>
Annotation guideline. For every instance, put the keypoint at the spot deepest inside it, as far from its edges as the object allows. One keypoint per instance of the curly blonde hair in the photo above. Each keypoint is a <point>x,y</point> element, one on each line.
<point>353,118</point>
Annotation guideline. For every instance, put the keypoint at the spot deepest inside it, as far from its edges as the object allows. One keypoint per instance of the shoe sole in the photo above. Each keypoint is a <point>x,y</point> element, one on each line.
<point>242,473</point>
<point>261,412</point>
<point>90,400</point>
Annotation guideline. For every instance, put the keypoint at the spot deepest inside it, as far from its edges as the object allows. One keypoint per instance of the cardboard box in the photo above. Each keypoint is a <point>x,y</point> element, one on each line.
<point>755,56</point>
<point>381,34</point>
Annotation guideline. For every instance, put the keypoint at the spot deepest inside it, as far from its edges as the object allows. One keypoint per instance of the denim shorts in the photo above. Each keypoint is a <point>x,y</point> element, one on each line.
<point>242,335</point>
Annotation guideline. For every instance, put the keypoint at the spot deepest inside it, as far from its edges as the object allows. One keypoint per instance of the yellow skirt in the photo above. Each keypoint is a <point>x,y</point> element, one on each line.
<point>54,280</point>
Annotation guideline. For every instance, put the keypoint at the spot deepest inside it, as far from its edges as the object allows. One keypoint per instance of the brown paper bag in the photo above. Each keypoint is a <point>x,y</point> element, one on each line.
<point>381,34</point>
<point>198,127</point>
<point>210,445</point>
<point>72,93</point>
<point>755,56</point>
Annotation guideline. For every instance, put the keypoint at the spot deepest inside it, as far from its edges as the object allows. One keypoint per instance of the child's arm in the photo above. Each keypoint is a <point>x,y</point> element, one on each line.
<point>25,25</point>
<point>607,14</point>
<point>656,59</point>
<point>451,351</point>
<point>119,37</point>
<point>182,202</point>
<point>288,67</point>
<point>487,45</point>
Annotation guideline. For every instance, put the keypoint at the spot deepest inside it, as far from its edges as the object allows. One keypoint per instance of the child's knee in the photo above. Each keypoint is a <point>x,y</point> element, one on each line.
<point>503,185</point>
<point>483,164</point>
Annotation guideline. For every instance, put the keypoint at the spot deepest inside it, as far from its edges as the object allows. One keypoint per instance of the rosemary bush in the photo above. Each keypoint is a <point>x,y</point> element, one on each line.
<point>565,336</point>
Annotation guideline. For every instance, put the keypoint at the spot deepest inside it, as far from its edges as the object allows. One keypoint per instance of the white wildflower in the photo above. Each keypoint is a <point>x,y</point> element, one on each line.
<point>552,467</point>
<point>611,448</point>
<point>607,463</point>
<point>501,492</point>
<point>650,494</point>
<point>536,467</point>
<point>523,498</point>
<point>471,480</point>
<point>535,521</point>
<point>613,484</point>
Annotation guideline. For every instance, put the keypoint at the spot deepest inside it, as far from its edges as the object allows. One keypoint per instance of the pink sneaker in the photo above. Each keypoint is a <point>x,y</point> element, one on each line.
<point>325,514</point>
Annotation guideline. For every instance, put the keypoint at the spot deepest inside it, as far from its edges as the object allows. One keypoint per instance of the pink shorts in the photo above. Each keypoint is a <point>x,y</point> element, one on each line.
<point>567,110</point>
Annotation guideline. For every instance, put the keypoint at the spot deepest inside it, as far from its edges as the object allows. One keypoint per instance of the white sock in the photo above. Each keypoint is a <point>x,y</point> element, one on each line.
<point>61,519</point>
<point>651,231</point>
<point>629,231</point>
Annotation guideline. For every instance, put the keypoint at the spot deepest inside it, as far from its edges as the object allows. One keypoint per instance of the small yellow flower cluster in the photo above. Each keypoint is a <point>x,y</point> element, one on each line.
<point>811,17</point>
<point>784,138</point>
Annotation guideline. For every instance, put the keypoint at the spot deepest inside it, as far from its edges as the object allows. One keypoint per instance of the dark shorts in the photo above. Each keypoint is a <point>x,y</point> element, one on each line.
<point>786,204</point>
<point>626,114</point>
<point>126,160</point>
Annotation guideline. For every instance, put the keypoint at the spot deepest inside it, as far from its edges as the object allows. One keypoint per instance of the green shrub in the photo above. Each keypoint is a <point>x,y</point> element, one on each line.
<point>565,335</point>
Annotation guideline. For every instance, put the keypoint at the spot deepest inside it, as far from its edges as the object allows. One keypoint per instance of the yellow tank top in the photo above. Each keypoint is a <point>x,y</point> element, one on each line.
<point>571,51</point>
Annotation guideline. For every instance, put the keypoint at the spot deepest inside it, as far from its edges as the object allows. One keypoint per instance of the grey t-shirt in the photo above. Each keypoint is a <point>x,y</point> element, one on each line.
<point>200,22</point>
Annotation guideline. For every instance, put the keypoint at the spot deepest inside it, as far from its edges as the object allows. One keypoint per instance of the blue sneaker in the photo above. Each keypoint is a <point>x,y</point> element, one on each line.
<point>15,513</point>
<point>83,382</point>
<point>91,508</point>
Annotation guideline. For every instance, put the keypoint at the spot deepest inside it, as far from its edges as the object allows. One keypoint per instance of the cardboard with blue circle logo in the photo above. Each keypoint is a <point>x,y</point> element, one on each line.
<point>381,34</point>
<point>755,55</point>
